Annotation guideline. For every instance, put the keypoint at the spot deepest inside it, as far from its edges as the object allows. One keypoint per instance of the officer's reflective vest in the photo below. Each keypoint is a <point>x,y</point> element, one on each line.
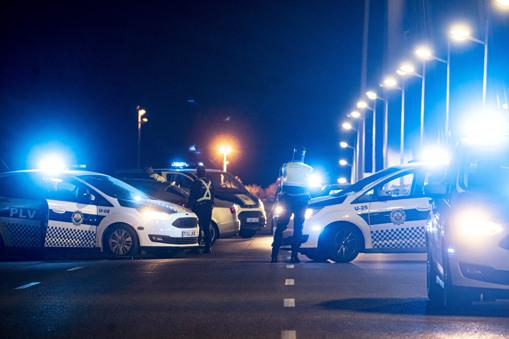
<point>207,194</point>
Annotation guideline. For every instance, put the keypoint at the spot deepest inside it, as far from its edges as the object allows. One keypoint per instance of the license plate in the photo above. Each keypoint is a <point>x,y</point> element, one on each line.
<point>188,234</point>
<point>253,219</point>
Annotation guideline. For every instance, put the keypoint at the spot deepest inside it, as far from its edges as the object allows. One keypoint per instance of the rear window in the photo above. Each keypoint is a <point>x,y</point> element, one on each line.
<point>22,186</point>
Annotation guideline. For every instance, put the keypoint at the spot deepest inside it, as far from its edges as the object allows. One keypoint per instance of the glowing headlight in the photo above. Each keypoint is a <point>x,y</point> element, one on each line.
<point>309,213</point>
<point>155,215</point>
<point>278,210</point>
<point>476,223</point>
<point>316,228</point>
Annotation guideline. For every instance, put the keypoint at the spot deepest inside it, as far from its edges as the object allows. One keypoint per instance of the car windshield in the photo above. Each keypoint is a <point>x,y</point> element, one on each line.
<point>366,181</point>
<point>113,187</point>
<point>485,176</point>
<point>225,181</point>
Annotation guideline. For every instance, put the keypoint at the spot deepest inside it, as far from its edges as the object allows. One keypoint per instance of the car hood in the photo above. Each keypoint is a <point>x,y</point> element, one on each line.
<point>326,201</point>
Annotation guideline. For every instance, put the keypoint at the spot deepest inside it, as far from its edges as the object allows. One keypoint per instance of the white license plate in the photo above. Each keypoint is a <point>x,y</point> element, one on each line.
<point>188,234</point>
<point>252,219</point>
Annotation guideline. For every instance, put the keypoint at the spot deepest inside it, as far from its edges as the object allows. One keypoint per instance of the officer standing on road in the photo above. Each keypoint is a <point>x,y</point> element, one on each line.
<point>201,201</point>
<point>293,198</point>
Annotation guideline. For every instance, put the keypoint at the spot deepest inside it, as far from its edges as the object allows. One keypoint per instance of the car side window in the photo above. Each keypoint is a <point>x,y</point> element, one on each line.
<point>63,189</point>
<point>396,188</point>
<point>180,180</point>
<point>22,186</point>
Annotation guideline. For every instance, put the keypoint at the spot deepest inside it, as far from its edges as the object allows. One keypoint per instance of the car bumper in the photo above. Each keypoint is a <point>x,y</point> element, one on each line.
<point>252,219</point>
<point>180,231</point>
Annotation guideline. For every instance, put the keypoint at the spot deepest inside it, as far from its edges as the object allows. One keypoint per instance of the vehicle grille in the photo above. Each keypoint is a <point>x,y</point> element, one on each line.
<point>485,273</point>
<point>174,241</point>
<point>186,222</point>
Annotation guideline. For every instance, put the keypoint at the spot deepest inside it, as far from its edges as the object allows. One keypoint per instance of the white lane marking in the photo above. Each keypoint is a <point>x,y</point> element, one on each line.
<point>289,334</point>
<point>290,266</point>
<point>75,268</point>
<point>289,302</point>
<point>289,282</point>
<point>33,283</point>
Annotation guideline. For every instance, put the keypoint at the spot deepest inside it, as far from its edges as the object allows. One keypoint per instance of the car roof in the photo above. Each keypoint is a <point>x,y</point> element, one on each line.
<point>188,170</point>
<point>68,172</point>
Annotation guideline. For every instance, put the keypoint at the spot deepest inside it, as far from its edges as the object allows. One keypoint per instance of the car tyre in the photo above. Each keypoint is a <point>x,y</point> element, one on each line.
<point>214,233</point>
<point>436,293</point>
<point>247,233</point>
<point>121,241</point>
<point>343,243</point>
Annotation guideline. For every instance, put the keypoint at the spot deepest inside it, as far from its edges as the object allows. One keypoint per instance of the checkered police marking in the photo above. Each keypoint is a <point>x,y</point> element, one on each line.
<point>26,235</point>
<point>412,237</point>
<point>66,237</point>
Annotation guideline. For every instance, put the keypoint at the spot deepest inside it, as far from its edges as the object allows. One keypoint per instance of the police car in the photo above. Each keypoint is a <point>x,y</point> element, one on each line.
<point>468,232</point>
<point>385,212</point>
<point>80,209</point>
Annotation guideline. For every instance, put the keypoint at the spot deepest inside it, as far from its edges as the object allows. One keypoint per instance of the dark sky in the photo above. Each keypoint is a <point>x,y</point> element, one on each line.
<point>72,74</point>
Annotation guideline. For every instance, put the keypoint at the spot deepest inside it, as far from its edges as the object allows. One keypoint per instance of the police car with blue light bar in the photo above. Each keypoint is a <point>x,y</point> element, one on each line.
<point>468,232</point>
<point>80,209</point>
<point>385,212</point>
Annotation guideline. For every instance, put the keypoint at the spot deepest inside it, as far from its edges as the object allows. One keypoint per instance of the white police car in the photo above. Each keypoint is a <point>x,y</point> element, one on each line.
<point>88,210</point>
<point>468,232</point>
<point>385,212</point>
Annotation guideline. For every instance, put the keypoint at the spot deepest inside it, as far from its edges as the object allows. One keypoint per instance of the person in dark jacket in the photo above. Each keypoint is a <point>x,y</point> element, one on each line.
<point>201,201</point>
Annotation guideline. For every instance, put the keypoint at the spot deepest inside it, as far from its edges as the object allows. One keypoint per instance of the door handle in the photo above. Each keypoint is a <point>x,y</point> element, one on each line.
<point>424,208</point>
<point>56,210</point>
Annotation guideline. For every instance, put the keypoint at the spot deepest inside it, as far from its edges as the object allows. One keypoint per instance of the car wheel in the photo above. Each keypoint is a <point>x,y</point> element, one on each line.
<point>214,233</point>
<point>121,241</point>
<point>344,243</point>
<point>435,291</point>
<point>247,234</point>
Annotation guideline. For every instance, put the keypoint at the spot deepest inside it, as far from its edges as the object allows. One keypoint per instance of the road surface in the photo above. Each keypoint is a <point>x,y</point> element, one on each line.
<point>233,293</point>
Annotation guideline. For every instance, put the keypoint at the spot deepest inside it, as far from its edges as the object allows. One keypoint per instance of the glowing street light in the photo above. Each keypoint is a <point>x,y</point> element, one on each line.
<point>355,114</point>
<point>225,150</point>
<point>502,4</point>
<point>347,126</point>
<point>371,95</point>
<point>406,68</point>
<point>141,120</point>
<point>342,180</point>
<point>461,32</point>
<point>424,53</point>
<point>390,82</point>
<point>374,97</point>
<point>343,162</point>
<point>343,144</point>
<point>361,104</point>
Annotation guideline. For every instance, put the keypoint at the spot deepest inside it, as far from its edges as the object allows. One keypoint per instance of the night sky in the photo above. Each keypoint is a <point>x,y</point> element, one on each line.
<point>270,74</point>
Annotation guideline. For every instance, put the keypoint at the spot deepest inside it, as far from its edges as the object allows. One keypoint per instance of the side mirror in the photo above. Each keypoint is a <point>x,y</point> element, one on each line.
<point>435,190</point>
<point>86,198</point>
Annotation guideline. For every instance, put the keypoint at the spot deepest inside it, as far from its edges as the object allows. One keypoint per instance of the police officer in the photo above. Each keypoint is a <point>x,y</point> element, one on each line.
<point>293,198</point>
<point>201,201</point>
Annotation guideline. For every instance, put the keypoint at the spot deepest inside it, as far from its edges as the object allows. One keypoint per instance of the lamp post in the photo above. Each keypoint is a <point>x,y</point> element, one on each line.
<point>391,83</point>
<point>373,96</point>
<point>347,126</point>
<point>462,32</point>
<point>225,150</point>
<point>141,120</point>
<point>425,54</point>
<point>345,145</point>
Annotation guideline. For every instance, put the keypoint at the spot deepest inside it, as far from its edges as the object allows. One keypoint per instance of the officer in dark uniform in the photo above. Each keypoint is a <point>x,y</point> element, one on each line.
<point>201,201</point>
<point>292,198</point>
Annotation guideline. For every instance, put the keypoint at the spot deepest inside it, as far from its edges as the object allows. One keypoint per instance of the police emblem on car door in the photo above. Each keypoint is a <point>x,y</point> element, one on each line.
<point>73,216</point>
<point>398,213</point>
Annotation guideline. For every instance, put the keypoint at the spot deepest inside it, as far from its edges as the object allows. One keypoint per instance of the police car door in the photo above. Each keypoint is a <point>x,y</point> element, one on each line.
<point>398,213</point>
<point>73,217</point>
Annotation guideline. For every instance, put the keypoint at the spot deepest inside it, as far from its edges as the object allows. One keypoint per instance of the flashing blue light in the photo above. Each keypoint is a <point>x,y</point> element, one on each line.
<point>52,163</point>
<point>179,164</point>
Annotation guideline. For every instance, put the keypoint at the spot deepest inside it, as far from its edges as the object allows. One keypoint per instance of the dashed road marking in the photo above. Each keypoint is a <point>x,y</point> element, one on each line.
<point>289,334</point>
<point>289,302</point>
<point>75,268</point>
<point>290,266</point>
<point>22,287</point>
<point>289,282</point>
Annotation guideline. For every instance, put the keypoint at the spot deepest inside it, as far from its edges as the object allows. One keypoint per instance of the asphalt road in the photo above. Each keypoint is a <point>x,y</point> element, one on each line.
<point>233,293</point>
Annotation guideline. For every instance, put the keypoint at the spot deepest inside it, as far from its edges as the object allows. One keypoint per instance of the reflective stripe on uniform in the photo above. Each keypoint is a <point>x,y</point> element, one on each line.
<point>207,195</point>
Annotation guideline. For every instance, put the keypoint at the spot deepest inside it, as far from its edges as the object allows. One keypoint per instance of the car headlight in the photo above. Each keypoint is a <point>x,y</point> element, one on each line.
<point>474,223</point>
<point>278,210</point>
<point>151,214</point>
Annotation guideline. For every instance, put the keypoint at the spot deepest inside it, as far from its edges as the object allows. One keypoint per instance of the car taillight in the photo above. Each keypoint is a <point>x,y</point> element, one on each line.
<point>233,210</point>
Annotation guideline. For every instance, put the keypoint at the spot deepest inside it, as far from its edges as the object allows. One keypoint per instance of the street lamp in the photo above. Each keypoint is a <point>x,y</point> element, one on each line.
<point>344,144</point>
<point>461,32</point>
<point>347,126</point>
<point>342,180</point>
<point>361,104</point>
<point>425,54</point>
<point>355,114</point>
<point>374,97</point>
<point>502,4</point>
<point>141,120</point>
<point>343,162</point>
<point>391,83</point>
<point>225,150</point>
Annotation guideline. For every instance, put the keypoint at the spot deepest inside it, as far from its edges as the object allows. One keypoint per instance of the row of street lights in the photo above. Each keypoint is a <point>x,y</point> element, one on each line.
<point>424,53</point>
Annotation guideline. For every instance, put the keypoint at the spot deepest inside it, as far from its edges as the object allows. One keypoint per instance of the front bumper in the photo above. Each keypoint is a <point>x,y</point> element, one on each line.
<point>181,231</point>
<point>178,242</point>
